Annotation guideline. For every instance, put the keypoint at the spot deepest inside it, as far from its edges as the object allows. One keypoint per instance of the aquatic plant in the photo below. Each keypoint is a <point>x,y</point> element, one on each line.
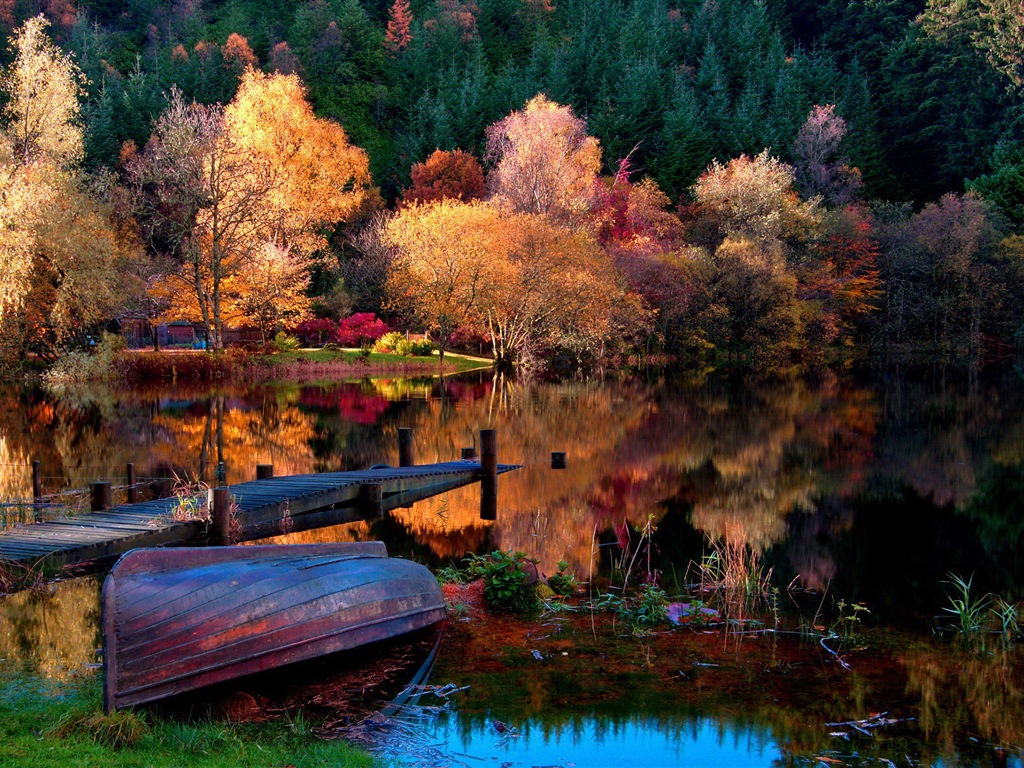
<point>648,608</point>
<point>509,580</point>
<point>969,612</point>
<point>563,582</point>
<point>847,620</point>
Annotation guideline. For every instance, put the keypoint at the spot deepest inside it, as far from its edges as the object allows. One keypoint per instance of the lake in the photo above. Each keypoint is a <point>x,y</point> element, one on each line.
<point>869,487</point>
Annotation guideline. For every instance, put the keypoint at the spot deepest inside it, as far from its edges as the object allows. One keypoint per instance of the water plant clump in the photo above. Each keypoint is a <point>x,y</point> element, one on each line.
<point>977,617</point>
<point>563,582</point>
<point>510,580</point>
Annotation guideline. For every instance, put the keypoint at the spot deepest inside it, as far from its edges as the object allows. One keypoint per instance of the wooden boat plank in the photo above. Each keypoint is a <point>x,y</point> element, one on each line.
<point>200,593</point>
<point>226,641</point>
<point>373,627</point>
<point>257,603</point>
<point>312,615</point>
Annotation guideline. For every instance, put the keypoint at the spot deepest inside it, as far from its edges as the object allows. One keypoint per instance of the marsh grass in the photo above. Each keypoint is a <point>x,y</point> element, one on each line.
<point>45,727</point>
<point>732,575</point>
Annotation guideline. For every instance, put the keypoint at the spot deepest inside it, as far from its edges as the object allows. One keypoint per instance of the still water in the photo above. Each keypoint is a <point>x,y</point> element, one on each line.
<point>869,487</point>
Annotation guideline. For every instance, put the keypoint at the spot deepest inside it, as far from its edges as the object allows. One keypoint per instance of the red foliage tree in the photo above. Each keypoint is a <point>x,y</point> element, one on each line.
<point>399,33</point>
<point>455,175</point>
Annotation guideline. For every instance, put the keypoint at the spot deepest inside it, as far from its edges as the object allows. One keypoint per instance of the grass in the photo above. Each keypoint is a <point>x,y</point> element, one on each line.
<point>44,728</point>
<point>355,357</point>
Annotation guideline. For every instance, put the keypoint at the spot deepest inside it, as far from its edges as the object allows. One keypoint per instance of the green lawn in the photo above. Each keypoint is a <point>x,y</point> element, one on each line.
<point>387,360</point>
<point>65,728</point>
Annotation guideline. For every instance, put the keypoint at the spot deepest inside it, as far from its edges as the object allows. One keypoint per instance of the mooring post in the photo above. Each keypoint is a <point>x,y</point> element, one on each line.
<point>221,516</point>
<point>405,455</point>
<point>371,499</point>
<point>37,481</point>
<point>222,472</point>
<point>468,453</point>
<point>131,482</point>
<point>558,459</point>
<point>488,474</point>
<point>264,471</point>
<point>102,496</point>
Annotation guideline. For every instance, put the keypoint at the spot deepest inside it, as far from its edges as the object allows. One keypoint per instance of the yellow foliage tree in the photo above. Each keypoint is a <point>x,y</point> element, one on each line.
<point>216,186</point>
<point>446,253</point>
<point>271,290</point>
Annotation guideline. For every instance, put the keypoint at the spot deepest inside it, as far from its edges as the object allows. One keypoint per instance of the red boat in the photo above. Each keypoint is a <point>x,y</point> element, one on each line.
<point>178,619</point>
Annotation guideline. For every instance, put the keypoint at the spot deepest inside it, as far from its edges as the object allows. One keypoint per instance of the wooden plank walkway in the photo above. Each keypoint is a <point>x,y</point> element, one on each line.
<point>264,508</point>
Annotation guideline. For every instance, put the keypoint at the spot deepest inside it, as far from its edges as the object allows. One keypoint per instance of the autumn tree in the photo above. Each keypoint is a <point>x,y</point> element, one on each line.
<point>271,291</point>
<point>399,32</point>
<point>58,238</point>
<point>542,160</point>
<point>820,169</point>
<point>215,186</point>
<point>445,254</point>
<point>753,198</point>
<point>454,175</point>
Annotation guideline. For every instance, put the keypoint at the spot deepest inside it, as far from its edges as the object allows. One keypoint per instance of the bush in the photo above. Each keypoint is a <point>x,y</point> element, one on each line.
<point>422,348</point>
<point>285,343</point>
<point>316,332</point>
<point>509,581</point>
<point>388,342</point>
<point>360,328</point>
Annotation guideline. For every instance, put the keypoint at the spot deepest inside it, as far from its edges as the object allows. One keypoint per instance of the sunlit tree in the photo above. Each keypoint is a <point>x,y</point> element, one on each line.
<point>215,186</point>
<point>456,175</point>
<point>271,290</point>
<point>543,160</point>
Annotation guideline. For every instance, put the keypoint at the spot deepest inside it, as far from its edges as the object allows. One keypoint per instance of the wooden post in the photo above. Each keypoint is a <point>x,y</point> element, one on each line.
<point>469,454</point>
<point>37,482</point>
<point>488,474</point>
<point>102,496</point>
<point>405,455</point>
<point>221,516</point>
<point>371,499</point>
<point>222,472</point>
<point>264,471</point>
<point>558,459</point>
<point>132,496</point>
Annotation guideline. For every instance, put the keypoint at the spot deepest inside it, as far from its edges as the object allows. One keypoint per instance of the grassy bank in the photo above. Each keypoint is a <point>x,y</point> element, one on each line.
<point>300,364</point>
<point>43,728</point>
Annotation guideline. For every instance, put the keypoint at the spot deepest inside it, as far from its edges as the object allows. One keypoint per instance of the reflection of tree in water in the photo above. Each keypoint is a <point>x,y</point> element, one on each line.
<point>52,631</point>
<point>980,695</point>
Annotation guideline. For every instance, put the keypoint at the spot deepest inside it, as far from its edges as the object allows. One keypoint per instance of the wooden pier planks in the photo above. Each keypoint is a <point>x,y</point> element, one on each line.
<point>265,508</point>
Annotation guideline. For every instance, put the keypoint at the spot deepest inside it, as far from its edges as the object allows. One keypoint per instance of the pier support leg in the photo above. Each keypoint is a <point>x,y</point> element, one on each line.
<point>405,455</point>
<point>101,496</point>
<point>371,500</point>
<point>220,533</point>
<point>264,471</point>
<point>37,481</point>
<point>132,491</point>
<point>488,474</point>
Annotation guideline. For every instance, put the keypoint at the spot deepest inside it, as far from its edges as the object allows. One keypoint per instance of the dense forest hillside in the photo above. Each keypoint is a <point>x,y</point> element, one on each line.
<point>675,83</point>
<point>761,179</point>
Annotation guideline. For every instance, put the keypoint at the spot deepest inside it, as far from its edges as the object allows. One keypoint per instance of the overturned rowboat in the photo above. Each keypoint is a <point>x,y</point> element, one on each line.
<point>175,620</point>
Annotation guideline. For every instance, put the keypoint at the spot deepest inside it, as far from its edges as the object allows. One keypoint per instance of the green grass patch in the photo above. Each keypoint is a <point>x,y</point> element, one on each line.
<point>45,727</point>
<point>388,360</point>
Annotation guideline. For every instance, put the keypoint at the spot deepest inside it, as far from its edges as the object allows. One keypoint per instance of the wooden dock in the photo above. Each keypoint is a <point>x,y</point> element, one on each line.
<point>261,508</point>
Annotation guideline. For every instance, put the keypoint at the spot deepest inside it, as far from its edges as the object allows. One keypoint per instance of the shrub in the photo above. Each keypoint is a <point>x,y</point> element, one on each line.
<point>648,608</point>
<point>388,342</point>
<point>422,348</point>
<point>360,328</point>
<point>316,332</point>
<point>285,343</point>
<point>509,581</point>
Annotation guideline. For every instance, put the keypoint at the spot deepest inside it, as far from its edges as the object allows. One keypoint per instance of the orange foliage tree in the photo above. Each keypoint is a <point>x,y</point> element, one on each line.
<point>215,186</point>
<point>455,175</point>
<point>399,32</point>
<point>543,160</point>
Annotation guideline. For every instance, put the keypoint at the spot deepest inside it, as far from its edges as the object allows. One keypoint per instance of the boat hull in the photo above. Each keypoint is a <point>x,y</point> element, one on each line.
<point>175,620</point>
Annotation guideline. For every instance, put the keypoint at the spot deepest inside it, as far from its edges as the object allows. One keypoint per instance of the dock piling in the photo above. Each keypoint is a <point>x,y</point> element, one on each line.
<point>488,474</point>
<point>221,516</point>
<point>37,482</point>
<point>101,496</point>
<point>405,454</point>
<point>558,459</point>
<point>132,491</point>
<point>264,471</point>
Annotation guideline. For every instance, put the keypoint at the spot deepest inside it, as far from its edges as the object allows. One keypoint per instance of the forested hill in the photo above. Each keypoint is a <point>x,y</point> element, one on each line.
<point>930,92</point>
